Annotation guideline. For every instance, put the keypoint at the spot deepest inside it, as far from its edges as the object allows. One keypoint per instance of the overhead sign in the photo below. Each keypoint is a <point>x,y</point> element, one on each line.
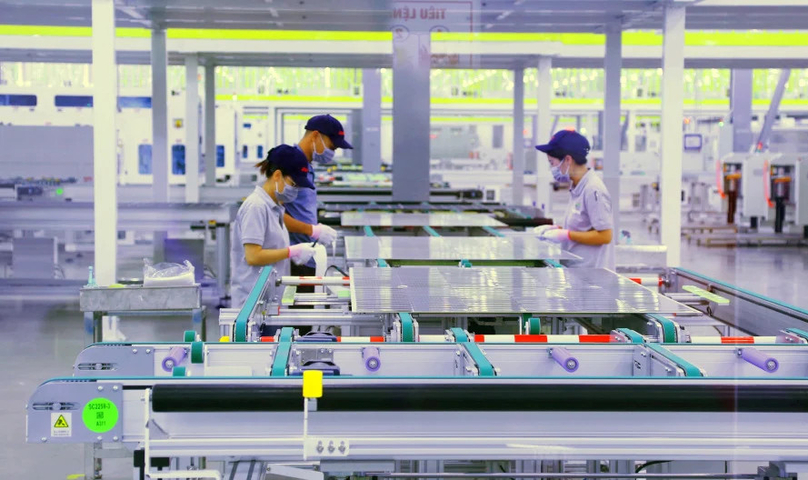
<point>422,18</point>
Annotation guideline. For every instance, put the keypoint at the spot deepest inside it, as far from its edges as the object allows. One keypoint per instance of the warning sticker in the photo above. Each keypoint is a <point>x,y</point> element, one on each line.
<point>100,415</point>
<point>62,424</point>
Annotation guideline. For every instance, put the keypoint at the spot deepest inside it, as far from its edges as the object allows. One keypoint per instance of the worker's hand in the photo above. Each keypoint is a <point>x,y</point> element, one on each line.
<point>323,234</point>
<point>539,231</point>
<point>557,235</point>
<point>301,253</point>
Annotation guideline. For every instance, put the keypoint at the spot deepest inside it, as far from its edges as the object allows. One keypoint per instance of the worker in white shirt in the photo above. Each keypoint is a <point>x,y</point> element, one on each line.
<point>588,222</point>
<point>259,236</point>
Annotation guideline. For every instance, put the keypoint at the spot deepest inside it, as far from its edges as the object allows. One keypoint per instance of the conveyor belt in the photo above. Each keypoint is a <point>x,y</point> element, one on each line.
<point>489,396</point>
<point>358,219</point>
<point>501,290</point>
<point>452,248</point>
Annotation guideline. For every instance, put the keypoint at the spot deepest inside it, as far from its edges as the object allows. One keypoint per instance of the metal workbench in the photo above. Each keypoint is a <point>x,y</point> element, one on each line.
<point>97,302</point>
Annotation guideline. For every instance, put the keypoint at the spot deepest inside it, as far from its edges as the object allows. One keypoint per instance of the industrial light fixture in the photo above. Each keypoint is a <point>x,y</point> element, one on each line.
<point>504,15</point>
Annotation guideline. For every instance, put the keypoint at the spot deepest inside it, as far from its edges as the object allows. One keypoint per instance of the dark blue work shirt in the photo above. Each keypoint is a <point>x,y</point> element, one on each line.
<point>304,209</point>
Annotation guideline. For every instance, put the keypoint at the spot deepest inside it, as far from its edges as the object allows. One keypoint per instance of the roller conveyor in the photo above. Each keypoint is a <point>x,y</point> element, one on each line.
<point>410,385</point>
<point>622,353</point>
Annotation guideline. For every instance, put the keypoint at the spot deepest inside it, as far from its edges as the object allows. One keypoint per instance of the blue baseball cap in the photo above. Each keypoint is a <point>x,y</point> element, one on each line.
<point>567,142</point>
<point>331,128</point>
<point>293,163</point>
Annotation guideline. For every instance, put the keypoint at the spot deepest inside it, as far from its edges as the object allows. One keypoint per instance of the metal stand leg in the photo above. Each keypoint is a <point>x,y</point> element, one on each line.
<point>552,466</point>
<point>222,258</point>
<point>621,466</point>
<point>92,464</point>
<point>430,466</point>
<point>98,328</point>
<point>199,320</point>
<point>593,466</point>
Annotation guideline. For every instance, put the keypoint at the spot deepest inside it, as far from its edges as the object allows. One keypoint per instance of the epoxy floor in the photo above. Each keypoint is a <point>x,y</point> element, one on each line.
<point>40,341</point>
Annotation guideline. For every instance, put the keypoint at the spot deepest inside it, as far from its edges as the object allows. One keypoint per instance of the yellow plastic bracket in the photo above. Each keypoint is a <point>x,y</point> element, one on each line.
<point>312,384</point>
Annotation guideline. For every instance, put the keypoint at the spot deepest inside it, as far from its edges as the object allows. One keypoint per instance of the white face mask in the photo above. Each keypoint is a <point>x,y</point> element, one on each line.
<point>289,193</point>
<point>558,176</point>
<point>326,157</point>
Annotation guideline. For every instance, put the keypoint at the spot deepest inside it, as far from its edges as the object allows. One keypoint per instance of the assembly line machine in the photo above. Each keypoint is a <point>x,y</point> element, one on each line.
<point>765,197</point>
<point>453,365</point>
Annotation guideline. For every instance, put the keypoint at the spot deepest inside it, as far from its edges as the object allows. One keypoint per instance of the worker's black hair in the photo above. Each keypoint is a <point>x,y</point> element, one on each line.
<point>266,167</point>
<point>561,155</point>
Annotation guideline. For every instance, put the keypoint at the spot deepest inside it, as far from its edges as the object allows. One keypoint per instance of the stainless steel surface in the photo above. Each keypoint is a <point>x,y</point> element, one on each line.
<point>131,216</point>
<point>502,290</point>
<point>140,298</point>
<point>452,248</point>
<point>359,219</point>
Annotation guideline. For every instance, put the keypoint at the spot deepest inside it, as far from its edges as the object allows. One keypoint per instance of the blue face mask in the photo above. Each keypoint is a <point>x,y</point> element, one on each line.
<point>558,176</point>
<point>326,157</point>
<point>288,195</point>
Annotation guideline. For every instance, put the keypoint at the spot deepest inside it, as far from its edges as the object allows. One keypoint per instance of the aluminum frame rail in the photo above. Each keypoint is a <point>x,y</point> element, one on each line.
<point>464,355</point>
<point>747,311</point>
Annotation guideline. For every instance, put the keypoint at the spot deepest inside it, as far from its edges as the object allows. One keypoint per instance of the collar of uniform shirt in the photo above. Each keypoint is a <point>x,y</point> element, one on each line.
<point>578,188</point>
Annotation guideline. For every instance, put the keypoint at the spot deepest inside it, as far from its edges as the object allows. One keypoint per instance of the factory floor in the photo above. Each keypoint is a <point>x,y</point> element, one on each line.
<point>40,340</point>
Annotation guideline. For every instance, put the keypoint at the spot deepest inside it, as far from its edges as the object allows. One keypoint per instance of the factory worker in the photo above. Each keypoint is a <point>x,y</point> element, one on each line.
<point>587,227</point>
<point>259,236</point>
<point>324,134</point>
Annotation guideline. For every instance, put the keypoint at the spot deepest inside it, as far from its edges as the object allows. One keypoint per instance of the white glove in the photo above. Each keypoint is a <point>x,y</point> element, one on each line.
<point>557,235</point>
<point>301,253</point>
<point>541,229</point>
<point>323,234</point>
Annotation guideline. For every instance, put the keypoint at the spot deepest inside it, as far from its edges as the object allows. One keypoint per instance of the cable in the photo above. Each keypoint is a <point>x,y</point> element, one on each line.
<point>502,469</point>
<point>648,464</point>
<point>337,269</point>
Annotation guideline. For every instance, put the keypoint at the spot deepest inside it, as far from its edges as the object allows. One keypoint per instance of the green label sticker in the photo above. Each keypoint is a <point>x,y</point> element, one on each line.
<point>705,294</point>
<point>100,415</point>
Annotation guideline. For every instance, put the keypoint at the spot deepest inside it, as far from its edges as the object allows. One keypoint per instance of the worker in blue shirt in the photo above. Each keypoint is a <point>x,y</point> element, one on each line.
<point>324,134</point>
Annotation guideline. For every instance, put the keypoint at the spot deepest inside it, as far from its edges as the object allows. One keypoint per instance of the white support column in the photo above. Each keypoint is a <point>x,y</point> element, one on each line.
<point>159,71</point>
<point>673,45</point>
<point>191,129</point>
<point>612,130</point>
<point>411,107</point>
<point>210,124</point>
<point>544,121</point>
<point>105,163</point>
<point>518,182</point>
<point>371,147</point>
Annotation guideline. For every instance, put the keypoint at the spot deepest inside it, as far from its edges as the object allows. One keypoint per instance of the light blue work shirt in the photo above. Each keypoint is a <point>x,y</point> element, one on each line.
<point>259,221</point>
<point>304,209</point>
<point>590,208</point>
